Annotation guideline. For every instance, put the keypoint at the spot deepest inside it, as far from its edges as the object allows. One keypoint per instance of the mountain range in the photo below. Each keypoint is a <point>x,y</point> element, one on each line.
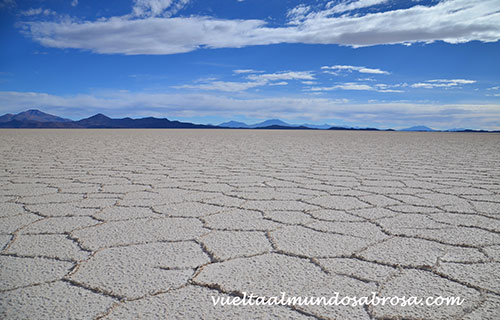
<point>34,118</point>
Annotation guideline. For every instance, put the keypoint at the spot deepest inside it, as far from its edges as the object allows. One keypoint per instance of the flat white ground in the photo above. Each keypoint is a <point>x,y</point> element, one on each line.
<point>128,224</point>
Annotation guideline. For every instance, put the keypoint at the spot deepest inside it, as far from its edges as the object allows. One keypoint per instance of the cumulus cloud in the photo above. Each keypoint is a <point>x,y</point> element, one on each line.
<point>338,68</point>
<point>151,30</point>
<point>442,83</point>
<point>123,103</point>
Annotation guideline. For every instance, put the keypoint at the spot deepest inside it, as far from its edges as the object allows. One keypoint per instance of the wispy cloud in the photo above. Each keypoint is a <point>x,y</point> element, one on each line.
<point>358,87</point>
<point>353,5</point>
<point>286,75</point>
<point>281,83</point>
<point>339,68</point>
<point>240,71</point>
<point>251,80</point>
<point>37,11</point>
<point>150,29</point>
<point>442,83</point>
<point>226,86</point>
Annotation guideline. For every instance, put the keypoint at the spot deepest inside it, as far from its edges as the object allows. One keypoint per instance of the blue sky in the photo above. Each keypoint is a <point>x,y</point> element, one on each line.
<point>382,63</point>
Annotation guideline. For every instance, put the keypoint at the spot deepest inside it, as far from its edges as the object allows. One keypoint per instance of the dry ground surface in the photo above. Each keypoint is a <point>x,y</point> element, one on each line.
<point>150,224</point>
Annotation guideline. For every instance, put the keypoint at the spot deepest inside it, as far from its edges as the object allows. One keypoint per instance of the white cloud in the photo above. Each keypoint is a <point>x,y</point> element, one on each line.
<point>226,86</point>
<point>353,5</point>
<point>74,3</point>
<point>287,75</point>
<point>358,87</point>
<point>154,8</point>
<point>37,11</point>
<point>298,14</point>
<point>122,103</point>
<point>344,86</point>
<point>240,71</point>
<point>441,83</point>
<point>338,68</point>
<point>256,80</point>
<point>452,21</point>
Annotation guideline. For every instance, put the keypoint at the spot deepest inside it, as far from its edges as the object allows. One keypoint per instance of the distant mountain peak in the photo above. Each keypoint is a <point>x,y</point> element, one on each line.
<point>233,124</point>
<point>99,116</point>
<point>32,115</point>
<point>418,128</point>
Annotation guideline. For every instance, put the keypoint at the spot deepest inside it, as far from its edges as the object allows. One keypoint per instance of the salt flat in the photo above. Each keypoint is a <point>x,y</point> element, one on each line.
<point>151,224</point>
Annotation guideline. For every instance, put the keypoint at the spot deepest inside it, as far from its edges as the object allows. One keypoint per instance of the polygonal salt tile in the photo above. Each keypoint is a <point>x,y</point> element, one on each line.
<point>116,213</point>
<point>488,310</point>
<point>470,220</point>
<point>58,300</point>
<point>339,202</point>
<point>416,252</point>
<point>461,236</point>
<point>271,274</point>
<point>137,270</point>
<point>97,203</point>
<point>379,200</point>
<point>414,209</point>
<point>22,190</point>
<point>137,231</point>
<point>410,224</point>
<point>483,275</point>
<point>60,210</point>
<point>365,230</point>
<point>274,205</point>
<point>306,242</point>
<point>231,244</point>
<point>225,201</point>
<point>334,215</point>
<point>487,207</point>
<point>357,268</point>
<point>16,272</point>
<point>236,219</point>
<point>493,252</point>
<point>11,224</point>
<point>423,284</point>
<point>197,303</point>
<point>288,217</point>
<point>188,209</point>
<point>51,198</point>
<point>124,188</point>
<point>174,195</point>
<point>373,213</point>
<point>47,245</point>
<point>59,225</point>
<point>11,209</point>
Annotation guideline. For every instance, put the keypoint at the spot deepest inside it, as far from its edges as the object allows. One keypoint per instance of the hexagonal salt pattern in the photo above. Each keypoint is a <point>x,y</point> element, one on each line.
<point>155,224</point>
